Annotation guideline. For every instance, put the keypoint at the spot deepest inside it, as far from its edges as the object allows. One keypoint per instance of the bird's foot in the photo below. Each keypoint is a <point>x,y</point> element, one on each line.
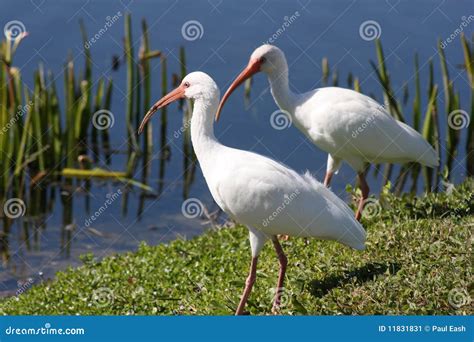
<point>242,313</point>
<point>276,309</point>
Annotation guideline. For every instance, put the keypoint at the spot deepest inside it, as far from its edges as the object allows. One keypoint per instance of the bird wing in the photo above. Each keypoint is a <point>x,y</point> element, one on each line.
<point>348,125</point>
<point>266,195</point>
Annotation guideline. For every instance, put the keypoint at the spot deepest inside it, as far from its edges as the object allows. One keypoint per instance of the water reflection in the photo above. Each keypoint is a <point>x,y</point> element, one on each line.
<point>44,200</point>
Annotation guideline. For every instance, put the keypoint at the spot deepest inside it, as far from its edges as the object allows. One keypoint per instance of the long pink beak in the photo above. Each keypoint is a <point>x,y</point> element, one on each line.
<point>173,95</point>
<point>251,69</point>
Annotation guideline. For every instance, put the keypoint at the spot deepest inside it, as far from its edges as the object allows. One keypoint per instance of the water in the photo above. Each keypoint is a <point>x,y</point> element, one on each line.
<point>231,31</point>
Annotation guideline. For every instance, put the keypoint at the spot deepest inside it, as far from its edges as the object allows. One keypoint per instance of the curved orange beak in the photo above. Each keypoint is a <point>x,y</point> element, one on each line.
<point>251,69</point>
<point>174,95</point>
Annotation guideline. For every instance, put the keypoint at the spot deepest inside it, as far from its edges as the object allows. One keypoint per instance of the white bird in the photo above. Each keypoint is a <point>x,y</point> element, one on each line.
<point>348,125</point>
<point>264,195</point>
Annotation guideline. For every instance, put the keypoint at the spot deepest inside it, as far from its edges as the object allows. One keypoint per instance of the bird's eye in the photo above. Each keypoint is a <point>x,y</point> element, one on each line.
<point>186,84</point>
<point>263,60</point>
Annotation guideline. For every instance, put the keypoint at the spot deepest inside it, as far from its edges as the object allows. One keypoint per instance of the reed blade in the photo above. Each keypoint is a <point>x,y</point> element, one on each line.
<point>128,51</point>
<point>146,81</point>
<point>469,66</point>
<point>430,135</point>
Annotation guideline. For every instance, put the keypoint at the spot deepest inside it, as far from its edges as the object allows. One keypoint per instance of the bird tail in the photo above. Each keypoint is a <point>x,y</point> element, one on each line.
<point>356,237</point>
<point>429,157</point>
<point>350,231</point>
<point>421,150</point>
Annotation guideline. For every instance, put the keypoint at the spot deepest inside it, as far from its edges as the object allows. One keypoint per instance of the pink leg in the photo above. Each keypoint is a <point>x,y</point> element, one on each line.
<point>364,187</point>
<point>281,275</point>
<point>327,178</point>
<point>248,286</point>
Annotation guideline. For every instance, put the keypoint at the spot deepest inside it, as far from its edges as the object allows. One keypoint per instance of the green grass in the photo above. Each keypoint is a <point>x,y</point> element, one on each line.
<point>417,261</point>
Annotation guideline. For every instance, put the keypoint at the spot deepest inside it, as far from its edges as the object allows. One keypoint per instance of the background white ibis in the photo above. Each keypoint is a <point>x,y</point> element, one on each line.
<point>259,192</point>
<point>348,125</point>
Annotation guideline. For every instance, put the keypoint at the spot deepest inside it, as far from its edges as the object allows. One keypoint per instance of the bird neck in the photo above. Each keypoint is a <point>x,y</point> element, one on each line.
<point>202,130</point>
<point>279,84</point>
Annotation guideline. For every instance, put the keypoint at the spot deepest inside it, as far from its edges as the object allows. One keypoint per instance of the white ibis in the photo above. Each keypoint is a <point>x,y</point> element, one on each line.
<point>264,195</point>
<point>349,126</point>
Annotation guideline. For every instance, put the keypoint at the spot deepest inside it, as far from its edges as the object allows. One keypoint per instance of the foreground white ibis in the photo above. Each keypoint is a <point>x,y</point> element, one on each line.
<point>349,126</point>
<point>264,195</point>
